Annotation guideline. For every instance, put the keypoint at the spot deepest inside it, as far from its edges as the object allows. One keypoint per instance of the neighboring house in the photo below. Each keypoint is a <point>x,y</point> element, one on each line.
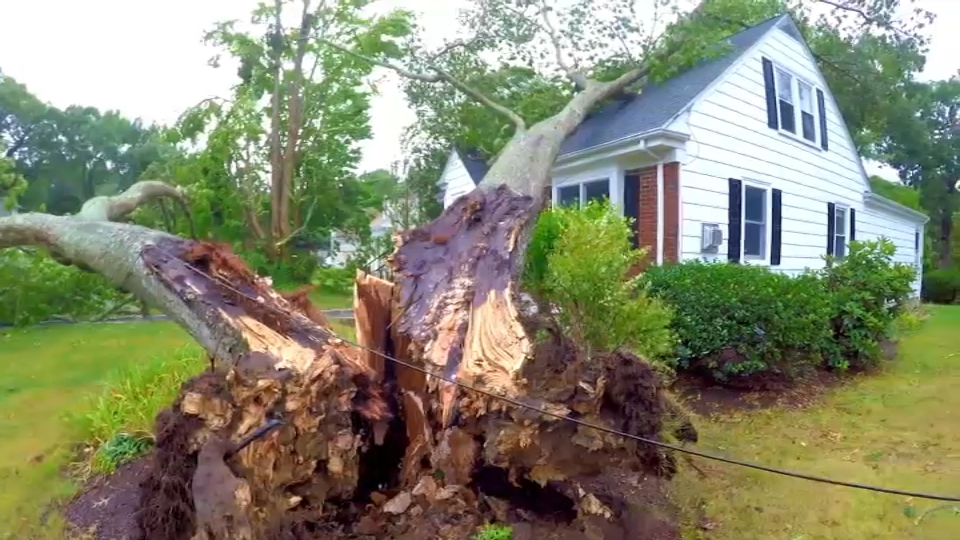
<point>4,212</point>
<point>344,246</point>
<point>744,157</point>
<point>464,170</point>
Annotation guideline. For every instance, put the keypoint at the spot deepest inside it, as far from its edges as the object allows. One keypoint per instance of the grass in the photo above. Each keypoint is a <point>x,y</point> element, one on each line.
<point>64,385</point>
<point>898,429</point>
<point>44,374</point>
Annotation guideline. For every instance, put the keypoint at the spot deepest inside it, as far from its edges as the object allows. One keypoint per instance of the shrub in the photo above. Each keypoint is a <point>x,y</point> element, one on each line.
<point>868,291</point>
<point>34,288</point>
<point>941,286</point>
<point>333,280</point>
<point>579,265</point>
<point>737,320</point>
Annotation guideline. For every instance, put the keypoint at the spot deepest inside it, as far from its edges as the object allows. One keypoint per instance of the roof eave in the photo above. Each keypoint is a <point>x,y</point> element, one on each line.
<point>895,207</point>
<point>623,141</point>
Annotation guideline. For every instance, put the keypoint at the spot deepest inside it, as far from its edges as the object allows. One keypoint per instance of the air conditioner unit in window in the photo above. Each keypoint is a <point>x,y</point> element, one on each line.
<point>711,237</point>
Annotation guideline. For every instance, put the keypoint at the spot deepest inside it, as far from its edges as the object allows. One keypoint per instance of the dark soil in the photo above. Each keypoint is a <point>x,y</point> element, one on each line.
<point>706,397</point>
<point>107,506</point>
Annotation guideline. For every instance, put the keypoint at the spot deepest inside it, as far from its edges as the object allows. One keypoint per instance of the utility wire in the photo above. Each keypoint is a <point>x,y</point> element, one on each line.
<point>661,444</point>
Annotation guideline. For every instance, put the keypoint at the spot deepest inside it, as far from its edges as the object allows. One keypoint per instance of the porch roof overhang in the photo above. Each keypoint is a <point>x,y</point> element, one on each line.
<point>653,141</point>
<point>895,208</point>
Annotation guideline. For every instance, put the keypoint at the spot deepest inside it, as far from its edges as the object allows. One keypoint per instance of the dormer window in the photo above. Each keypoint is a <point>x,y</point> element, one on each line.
<point>795,107</point>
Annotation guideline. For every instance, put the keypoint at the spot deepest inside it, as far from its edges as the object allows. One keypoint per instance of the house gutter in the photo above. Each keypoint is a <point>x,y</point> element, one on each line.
<point>892,206</point>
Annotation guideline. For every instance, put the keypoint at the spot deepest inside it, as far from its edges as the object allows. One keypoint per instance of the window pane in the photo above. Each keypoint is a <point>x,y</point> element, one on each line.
<point>568,196</point>
<point>840,246</point>
<point>840,221</point>
<point>784,86</point>
<point>753,239</point>
<point>806,97</point>
<point>596,191</point>
<point>788,120</point>
<point>754,207</point>
<point>809,131</point>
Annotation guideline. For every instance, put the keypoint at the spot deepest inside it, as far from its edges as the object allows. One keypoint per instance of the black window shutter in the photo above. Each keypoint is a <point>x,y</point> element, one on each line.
<point>916,241</point>
<point>771,88</point>
<point>776,228</point>
<point>853,224</point>
<point>831,226</point>
<point>631,206</point>
<point>734,227</point>
<point>823,120</point>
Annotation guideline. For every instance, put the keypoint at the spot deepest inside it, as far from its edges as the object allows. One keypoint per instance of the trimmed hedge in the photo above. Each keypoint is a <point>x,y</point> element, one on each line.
<point>735,320</point>
<point>740,320</point>
<point>941,286</point>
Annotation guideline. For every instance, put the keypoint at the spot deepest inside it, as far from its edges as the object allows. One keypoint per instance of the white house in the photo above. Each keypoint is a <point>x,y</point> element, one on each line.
<point>464,169</point>
<point>344,246</point>
<point>744,157</point>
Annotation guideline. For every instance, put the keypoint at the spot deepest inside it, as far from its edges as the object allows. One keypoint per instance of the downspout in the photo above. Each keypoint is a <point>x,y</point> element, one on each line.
<point>659,161</point>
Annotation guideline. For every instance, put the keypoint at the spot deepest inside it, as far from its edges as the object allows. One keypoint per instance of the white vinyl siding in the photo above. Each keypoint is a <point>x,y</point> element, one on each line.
<point>730,139</point>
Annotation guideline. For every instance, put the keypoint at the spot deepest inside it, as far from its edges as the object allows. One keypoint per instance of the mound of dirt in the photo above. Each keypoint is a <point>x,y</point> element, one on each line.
<point>107,507</point>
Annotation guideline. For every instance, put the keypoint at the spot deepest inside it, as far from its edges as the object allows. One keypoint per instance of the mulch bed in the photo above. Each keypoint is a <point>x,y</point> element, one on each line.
<point>705,397</point>
<point>106,508</point>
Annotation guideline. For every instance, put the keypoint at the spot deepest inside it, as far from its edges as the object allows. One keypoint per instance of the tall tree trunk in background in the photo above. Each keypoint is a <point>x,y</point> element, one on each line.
<point>946,239</point>
<point>295,124</point>
<point>279,197</point>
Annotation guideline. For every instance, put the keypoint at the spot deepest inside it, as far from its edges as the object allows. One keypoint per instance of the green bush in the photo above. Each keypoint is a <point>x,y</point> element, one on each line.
<point>334,280</point>
<point>941,286</point>
<point>868,291</point>
<point>739,320</point>
<point>34,288</point>
<point>580,267</point>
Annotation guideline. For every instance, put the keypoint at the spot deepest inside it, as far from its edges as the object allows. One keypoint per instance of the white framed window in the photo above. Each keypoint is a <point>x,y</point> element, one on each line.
<point>581,193</point>
<point>797,106</point>
<point>840,231</point>
<point>756,222</point>
<point>808,128</point>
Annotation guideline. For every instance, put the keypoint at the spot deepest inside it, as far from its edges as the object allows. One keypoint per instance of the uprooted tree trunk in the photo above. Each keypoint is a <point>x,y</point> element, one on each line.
<point>369,447</point>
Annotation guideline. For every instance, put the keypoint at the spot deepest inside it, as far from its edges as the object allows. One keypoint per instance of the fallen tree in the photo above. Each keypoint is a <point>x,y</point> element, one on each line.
<point>356,428</point>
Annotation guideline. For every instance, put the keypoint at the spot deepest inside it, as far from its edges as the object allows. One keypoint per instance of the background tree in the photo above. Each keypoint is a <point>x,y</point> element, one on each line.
<point>922,144</point>
<point>290,178</point>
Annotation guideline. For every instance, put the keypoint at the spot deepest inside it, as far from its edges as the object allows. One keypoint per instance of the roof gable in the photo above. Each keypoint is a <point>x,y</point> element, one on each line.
<point>658,104</point>
<point>790,28</point>
<point>474,163</point>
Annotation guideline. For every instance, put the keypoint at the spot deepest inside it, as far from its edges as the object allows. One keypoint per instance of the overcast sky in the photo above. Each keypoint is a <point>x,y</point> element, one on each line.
<point>145,58</point>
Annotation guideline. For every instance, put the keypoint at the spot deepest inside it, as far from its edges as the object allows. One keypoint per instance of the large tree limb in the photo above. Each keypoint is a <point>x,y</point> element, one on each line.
<point>438,75</point>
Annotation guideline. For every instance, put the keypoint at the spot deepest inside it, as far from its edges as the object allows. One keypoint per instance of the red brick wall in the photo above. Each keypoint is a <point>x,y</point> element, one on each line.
<point>671,212</point>
<point>647,224</point>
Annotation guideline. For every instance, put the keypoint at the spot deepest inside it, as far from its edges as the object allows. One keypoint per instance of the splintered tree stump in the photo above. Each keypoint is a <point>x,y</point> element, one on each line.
<point>372,448</point>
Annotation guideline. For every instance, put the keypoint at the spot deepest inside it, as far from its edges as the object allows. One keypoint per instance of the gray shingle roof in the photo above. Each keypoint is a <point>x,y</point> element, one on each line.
<point>657,104</point>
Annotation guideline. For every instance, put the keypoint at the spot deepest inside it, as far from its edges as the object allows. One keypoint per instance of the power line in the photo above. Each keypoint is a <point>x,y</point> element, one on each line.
<point>660,444</point>
<point>563,417</point>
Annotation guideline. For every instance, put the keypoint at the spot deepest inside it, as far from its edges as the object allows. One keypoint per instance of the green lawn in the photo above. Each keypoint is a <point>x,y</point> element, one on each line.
<point>46,373</point>
<point>899,429</point>
<point>50,372</point>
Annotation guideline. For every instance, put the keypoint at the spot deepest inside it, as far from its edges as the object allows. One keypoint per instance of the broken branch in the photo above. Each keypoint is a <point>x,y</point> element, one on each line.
<point>439,75</point>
